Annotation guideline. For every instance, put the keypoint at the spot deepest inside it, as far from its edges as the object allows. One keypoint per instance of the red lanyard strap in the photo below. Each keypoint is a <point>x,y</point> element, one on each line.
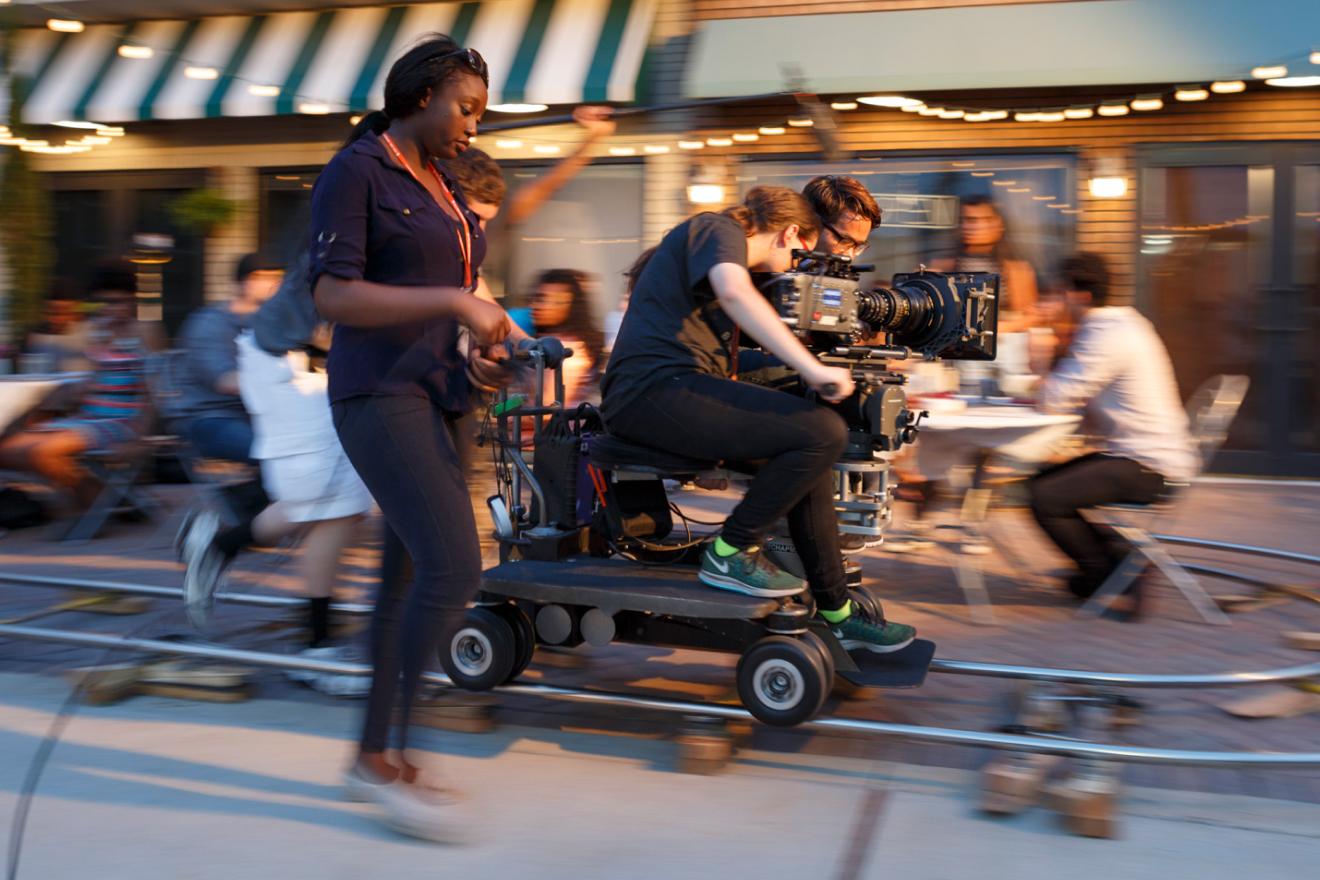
<point>465,238</point>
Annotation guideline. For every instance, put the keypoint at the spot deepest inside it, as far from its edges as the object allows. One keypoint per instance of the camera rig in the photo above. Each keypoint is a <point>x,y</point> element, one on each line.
<point>925,314</point>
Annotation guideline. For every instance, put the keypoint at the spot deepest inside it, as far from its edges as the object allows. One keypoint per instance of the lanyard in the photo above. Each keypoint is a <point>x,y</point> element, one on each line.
<point>465,238</point>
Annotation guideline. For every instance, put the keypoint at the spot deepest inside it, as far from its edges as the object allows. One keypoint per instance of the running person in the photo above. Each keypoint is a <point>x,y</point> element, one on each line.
<point>668,385</point>
<point>395,253</point>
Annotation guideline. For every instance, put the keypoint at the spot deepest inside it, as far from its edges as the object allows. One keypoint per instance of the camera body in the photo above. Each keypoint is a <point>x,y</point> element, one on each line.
<point>932,314</point>
<point>926,314</point>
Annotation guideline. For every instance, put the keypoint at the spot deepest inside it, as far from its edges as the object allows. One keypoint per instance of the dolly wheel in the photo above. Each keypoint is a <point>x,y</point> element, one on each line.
<point>524,636</point>
<point>482,652</point>
<point>782,680</point>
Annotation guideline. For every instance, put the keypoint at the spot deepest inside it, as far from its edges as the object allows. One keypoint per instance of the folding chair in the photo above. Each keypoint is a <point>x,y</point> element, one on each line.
<point>218,481</point>
<point>118,471</point>
<point>1210,411</point>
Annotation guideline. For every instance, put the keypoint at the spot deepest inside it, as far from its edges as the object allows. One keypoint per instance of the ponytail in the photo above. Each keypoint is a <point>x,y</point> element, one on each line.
<point>377,121</point>
<point>772,208</point>
<point>765,209</point>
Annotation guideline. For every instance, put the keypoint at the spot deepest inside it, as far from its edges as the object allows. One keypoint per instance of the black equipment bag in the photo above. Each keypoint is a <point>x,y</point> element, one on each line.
<point>560,465</point>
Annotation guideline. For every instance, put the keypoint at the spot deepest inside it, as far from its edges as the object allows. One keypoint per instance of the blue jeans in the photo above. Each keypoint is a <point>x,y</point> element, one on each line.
<point>226,437</point>
<point>404,449</point>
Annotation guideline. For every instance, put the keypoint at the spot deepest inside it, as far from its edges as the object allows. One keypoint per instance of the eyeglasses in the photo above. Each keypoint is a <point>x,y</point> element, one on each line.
<point>857,248</point>
<point>472,58</point>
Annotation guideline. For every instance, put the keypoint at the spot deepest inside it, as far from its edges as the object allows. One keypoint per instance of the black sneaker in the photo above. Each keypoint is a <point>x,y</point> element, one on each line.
<point>747,571</point>
<point>859,632</point>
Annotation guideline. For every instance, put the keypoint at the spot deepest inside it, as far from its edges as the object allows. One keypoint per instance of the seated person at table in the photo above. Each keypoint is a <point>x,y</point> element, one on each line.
<point>667,386</point>
<point>1117,369</point>
<point>113,409</point>
<point>214,419</point>
<point>59,343</point>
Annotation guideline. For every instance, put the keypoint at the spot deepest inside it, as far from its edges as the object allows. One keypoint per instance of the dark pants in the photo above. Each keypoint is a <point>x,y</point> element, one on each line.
<point>1059,495</point>
<point>403,449</point>
<point>792,443</point>
<point>224,437</point>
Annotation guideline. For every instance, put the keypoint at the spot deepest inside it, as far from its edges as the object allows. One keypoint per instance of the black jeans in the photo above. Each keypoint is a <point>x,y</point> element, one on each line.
<point>403,448</point>
<point>1059,495</point>
<point>790,443</point>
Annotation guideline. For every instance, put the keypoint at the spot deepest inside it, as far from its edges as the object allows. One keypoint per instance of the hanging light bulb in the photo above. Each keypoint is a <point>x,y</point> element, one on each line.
<point>1113,108</point>
<point>746,137</point>
<point>140,53</point>
<point>1191,93</point>
<point>771,130</point>
<point>1079,112</point>
<point>1227,87</point>
<point>1146,103</point>
<point>1269,71</point>
<point>65,26</point>
<point>201,73</point>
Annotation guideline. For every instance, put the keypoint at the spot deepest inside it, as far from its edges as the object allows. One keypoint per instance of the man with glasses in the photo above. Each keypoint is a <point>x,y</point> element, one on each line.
<point>848,213</point>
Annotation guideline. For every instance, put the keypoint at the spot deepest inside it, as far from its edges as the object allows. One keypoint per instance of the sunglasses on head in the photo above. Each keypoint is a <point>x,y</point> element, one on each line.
<point>472,58</point>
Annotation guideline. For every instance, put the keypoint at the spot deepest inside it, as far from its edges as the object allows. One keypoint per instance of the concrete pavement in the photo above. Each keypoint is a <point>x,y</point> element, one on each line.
<point>154,788</point>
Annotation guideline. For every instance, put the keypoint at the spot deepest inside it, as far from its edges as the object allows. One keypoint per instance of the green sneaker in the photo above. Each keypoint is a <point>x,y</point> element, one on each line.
<point>881,637</point>
<point>747,571</point>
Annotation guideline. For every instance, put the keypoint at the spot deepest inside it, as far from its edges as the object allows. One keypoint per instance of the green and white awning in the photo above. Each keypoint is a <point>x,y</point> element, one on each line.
<point>332,61</point>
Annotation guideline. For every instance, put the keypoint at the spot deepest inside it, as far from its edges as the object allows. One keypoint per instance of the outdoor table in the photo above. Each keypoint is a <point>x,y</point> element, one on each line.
<point>953,440</point>
<point>21,394</point>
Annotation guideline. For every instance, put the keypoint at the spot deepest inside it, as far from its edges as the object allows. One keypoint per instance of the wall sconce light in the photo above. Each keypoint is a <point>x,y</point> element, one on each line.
<point>1107,180</point>
<point>705,186</point>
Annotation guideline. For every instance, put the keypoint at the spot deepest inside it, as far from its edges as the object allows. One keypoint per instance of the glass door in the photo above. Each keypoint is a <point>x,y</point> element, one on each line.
<point>1227,271</point>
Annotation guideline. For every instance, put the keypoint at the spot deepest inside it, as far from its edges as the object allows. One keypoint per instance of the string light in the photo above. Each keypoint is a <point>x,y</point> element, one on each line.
<point>136,52</point>
<point>719,142</point>
<point>1274,71</point>
<point>746,137</point>
<point>892,101</point>
<point>930,111</point>
<point>1190,93</point>
<point>771,129</point>
<point>65,26</point>
<point>1026,116</point>
<point>1315,57</point>
<point>517,108</point>
<point>912,108</point>
<point>1113,109</point>
<point>623,151</point>
<point>508,143</point>
<point>804,122</point>
<point>313,108</point>
<point>1294,82</point>
<point>952,114</point>
<point>545,149</point>
<point>691,145</point>
<point>1147,103</point>
<point>263,91</point>
<point>201,73</point>
<point>1051,116</point>
<point>1079,113</point>
<point>655,149</point>
<point>1227,87</point>
<point>843,105</point>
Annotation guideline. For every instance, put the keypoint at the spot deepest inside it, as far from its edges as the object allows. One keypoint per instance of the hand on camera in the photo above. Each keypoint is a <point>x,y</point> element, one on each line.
<point>831,383</point>
<point>488,322</point>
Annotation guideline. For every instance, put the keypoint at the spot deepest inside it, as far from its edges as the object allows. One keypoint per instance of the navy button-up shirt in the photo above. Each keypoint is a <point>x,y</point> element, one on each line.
<point>372,220</point>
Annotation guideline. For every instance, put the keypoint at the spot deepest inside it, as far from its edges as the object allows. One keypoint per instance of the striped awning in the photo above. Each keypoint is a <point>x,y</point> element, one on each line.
<point>331,61</point>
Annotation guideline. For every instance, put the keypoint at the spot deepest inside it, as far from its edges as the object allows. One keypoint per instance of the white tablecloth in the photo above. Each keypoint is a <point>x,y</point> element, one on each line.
<point>21,394</point>
<point>1022,433</point>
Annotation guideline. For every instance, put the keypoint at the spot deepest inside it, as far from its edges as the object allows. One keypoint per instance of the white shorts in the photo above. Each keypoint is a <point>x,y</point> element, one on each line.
<point>303,466</point>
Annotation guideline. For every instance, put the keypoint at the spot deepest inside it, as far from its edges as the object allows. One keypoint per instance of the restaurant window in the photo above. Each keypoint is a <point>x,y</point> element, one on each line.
<point>593,224</point>
<point>1035,194</point>
<point>286,205</point>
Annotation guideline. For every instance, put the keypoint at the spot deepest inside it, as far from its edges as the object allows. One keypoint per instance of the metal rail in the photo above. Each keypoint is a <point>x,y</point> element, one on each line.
<point>1248,549</point>
<point>947,667</point>
<point>909,732</point>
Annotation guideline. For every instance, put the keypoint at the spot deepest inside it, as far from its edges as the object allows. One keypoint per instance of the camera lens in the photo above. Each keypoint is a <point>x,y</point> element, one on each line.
<point>904,311</point>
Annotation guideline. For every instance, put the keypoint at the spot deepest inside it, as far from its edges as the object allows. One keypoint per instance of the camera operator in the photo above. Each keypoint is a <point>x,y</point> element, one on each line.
<point>668,385</point>
<point>1117,368</point>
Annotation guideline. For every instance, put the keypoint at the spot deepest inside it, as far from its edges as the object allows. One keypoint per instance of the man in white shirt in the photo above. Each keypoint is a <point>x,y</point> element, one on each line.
<point>1118,370</point>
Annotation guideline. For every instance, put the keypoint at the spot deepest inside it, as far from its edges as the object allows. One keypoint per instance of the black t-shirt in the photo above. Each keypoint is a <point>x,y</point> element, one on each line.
<point>673,324</point>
